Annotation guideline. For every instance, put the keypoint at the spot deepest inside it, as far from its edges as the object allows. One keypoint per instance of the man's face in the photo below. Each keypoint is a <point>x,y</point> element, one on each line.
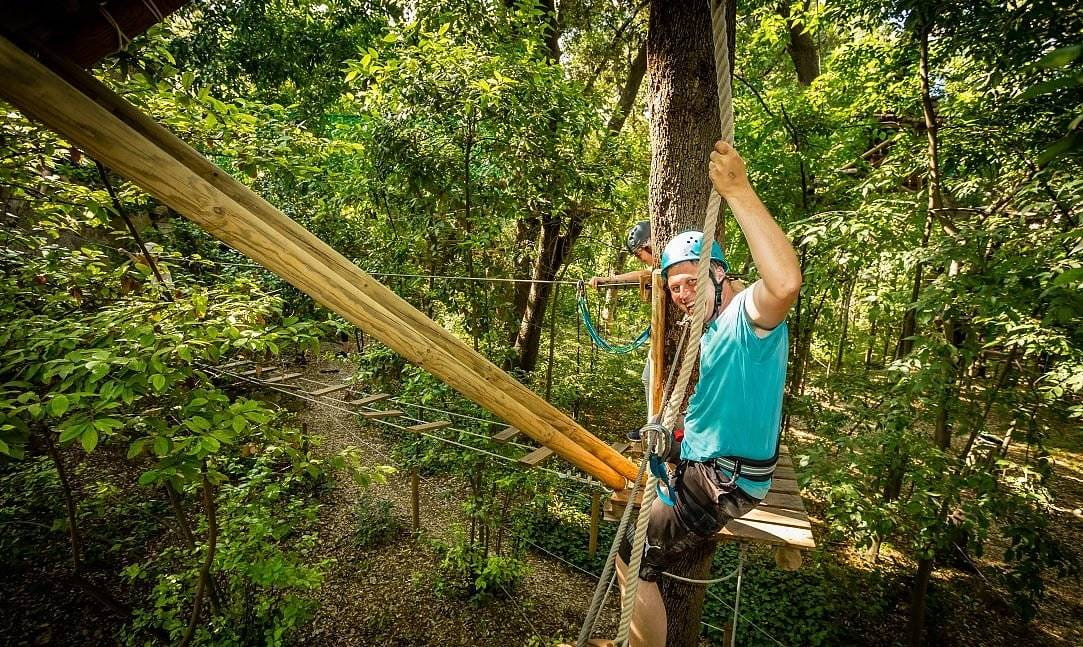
<point>644,255</point>
<point>682,284</point>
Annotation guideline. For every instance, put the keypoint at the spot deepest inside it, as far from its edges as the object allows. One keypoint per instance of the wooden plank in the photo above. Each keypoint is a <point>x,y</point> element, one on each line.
<point>791,518</point>
<point>282,378</point>
<point>334,388</point>
<point>389,413</point>
<point>783,501</point>
<point>785,486</point>
<point>755,531</point>
<point>96,119</point>
<point>619,447</point>
<point>784,472</point>
<point>259,371</point>
<point>506,435</point>
<point>370,399</point>
<point>430,426</point>
<point>536,457</point>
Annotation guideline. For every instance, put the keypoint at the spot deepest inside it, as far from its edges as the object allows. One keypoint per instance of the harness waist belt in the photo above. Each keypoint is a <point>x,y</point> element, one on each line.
<point>752,470</point>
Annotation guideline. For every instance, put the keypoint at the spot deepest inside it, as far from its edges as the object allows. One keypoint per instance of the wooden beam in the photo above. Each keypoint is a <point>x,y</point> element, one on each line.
<point>536,457</point>
<point>115,132</point>
<point>430,426</point>
<point>259,371</point>
<point>369,399</point>
<point>507,434</point>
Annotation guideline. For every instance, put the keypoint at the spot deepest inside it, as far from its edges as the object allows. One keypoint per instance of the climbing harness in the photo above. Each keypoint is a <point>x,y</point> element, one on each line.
<point>599,341</point>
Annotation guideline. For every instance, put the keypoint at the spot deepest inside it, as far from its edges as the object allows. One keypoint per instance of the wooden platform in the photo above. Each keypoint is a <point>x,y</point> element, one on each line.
<point>780,519</point>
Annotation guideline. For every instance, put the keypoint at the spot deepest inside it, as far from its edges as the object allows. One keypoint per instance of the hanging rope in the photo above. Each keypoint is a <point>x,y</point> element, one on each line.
<point>596,337</point>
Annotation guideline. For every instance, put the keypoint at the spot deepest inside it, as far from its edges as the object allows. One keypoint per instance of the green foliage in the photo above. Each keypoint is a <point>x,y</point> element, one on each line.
<point>466,570</point>
<point>267,535</point>
<point>376,522</point>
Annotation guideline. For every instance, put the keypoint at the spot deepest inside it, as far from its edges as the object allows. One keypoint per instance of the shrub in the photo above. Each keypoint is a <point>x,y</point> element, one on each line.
<point>376,523</point>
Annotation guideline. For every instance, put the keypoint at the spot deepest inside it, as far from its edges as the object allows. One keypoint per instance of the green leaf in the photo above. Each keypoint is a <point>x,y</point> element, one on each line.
<point>158,382</point>
<point>1045,87</point>
<point>89,439</point>
<point>58,406</point>
<point>148,477</point>
<point>1059,147</point>
<point>1060,57</point>
<point>72,432</point>
<point>161,445</point>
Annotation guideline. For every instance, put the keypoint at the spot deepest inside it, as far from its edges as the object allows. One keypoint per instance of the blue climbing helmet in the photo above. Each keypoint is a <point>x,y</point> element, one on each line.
<point>686,246</point>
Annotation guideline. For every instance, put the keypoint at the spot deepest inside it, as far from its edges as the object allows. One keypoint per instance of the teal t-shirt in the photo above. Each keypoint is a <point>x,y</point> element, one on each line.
<point>737,407</point>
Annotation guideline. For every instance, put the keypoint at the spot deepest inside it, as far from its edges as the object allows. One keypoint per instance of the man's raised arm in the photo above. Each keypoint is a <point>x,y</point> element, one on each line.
<point>780,274</point>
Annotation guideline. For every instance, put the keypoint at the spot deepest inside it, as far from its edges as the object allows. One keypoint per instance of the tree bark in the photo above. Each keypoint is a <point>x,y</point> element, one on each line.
<point>801,48</point>
<point>684,126</point>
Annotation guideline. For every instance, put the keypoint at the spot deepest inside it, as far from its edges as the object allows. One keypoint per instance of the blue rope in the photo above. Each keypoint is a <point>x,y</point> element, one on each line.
<point>584,313</point>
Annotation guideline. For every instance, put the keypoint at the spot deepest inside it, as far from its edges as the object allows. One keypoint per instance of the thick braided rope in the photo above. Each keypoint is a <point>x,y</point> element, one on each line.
<point>602,587</point>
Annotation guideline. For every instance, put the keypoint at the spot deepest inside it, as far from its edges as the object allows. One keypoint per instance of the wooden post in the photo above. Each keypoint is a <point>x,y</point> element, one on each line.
<point>415,500</point>
<point>595,514</point>
<point>658,342</point>
<point>127,141</point>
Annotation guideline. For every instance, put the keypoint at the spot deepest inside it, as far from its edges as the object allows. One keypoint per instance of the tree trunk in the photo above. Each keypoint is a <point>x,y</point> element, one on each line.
<point>916,627</point>
<point>684,126</point>
<point>554,248</point>
<point>801,48</point>
<point>69,503</point>
<point>629,92</point>
<point>205,571</point>
<point>845,324</point>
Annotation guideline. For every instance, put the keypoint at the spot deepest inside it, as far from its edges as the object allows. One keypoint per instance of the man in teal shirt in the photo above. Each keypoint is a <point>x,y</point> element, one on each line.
<point>731,426</point>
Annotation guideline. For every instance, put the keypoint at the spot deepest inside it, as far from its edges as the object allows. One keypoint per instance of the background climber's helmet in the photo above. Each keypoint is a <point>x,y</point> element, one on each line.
<point>639,236</point>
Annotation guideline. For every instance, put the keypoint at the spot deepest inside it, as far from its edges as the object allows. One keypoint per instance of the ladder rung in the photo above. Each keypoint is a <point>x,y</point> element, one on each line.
<point>506,435</point>
<point>536,457</point>
<point>259,371</point>
<point>282,378</point>
<point>334,388</point>
<point>370,399</point>
<point>236,364</point>
<point>390,413</point>
<point>430,426</point>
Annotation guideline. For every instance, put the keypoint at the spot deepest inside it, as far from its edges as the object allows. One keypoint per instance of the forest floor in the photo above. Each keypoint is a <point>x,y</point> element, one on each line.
<point>385,595</point>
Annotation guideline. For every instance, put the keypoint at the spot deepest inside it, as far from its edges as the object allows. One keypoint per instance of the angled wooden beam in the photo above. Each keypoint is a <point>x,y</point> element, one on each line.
<point>94,118</point>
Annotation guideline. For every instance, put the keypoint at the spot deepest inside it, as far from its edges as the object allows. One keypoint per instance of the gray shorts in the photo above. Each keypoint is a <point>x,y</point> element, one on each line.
<point>706,502</point>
